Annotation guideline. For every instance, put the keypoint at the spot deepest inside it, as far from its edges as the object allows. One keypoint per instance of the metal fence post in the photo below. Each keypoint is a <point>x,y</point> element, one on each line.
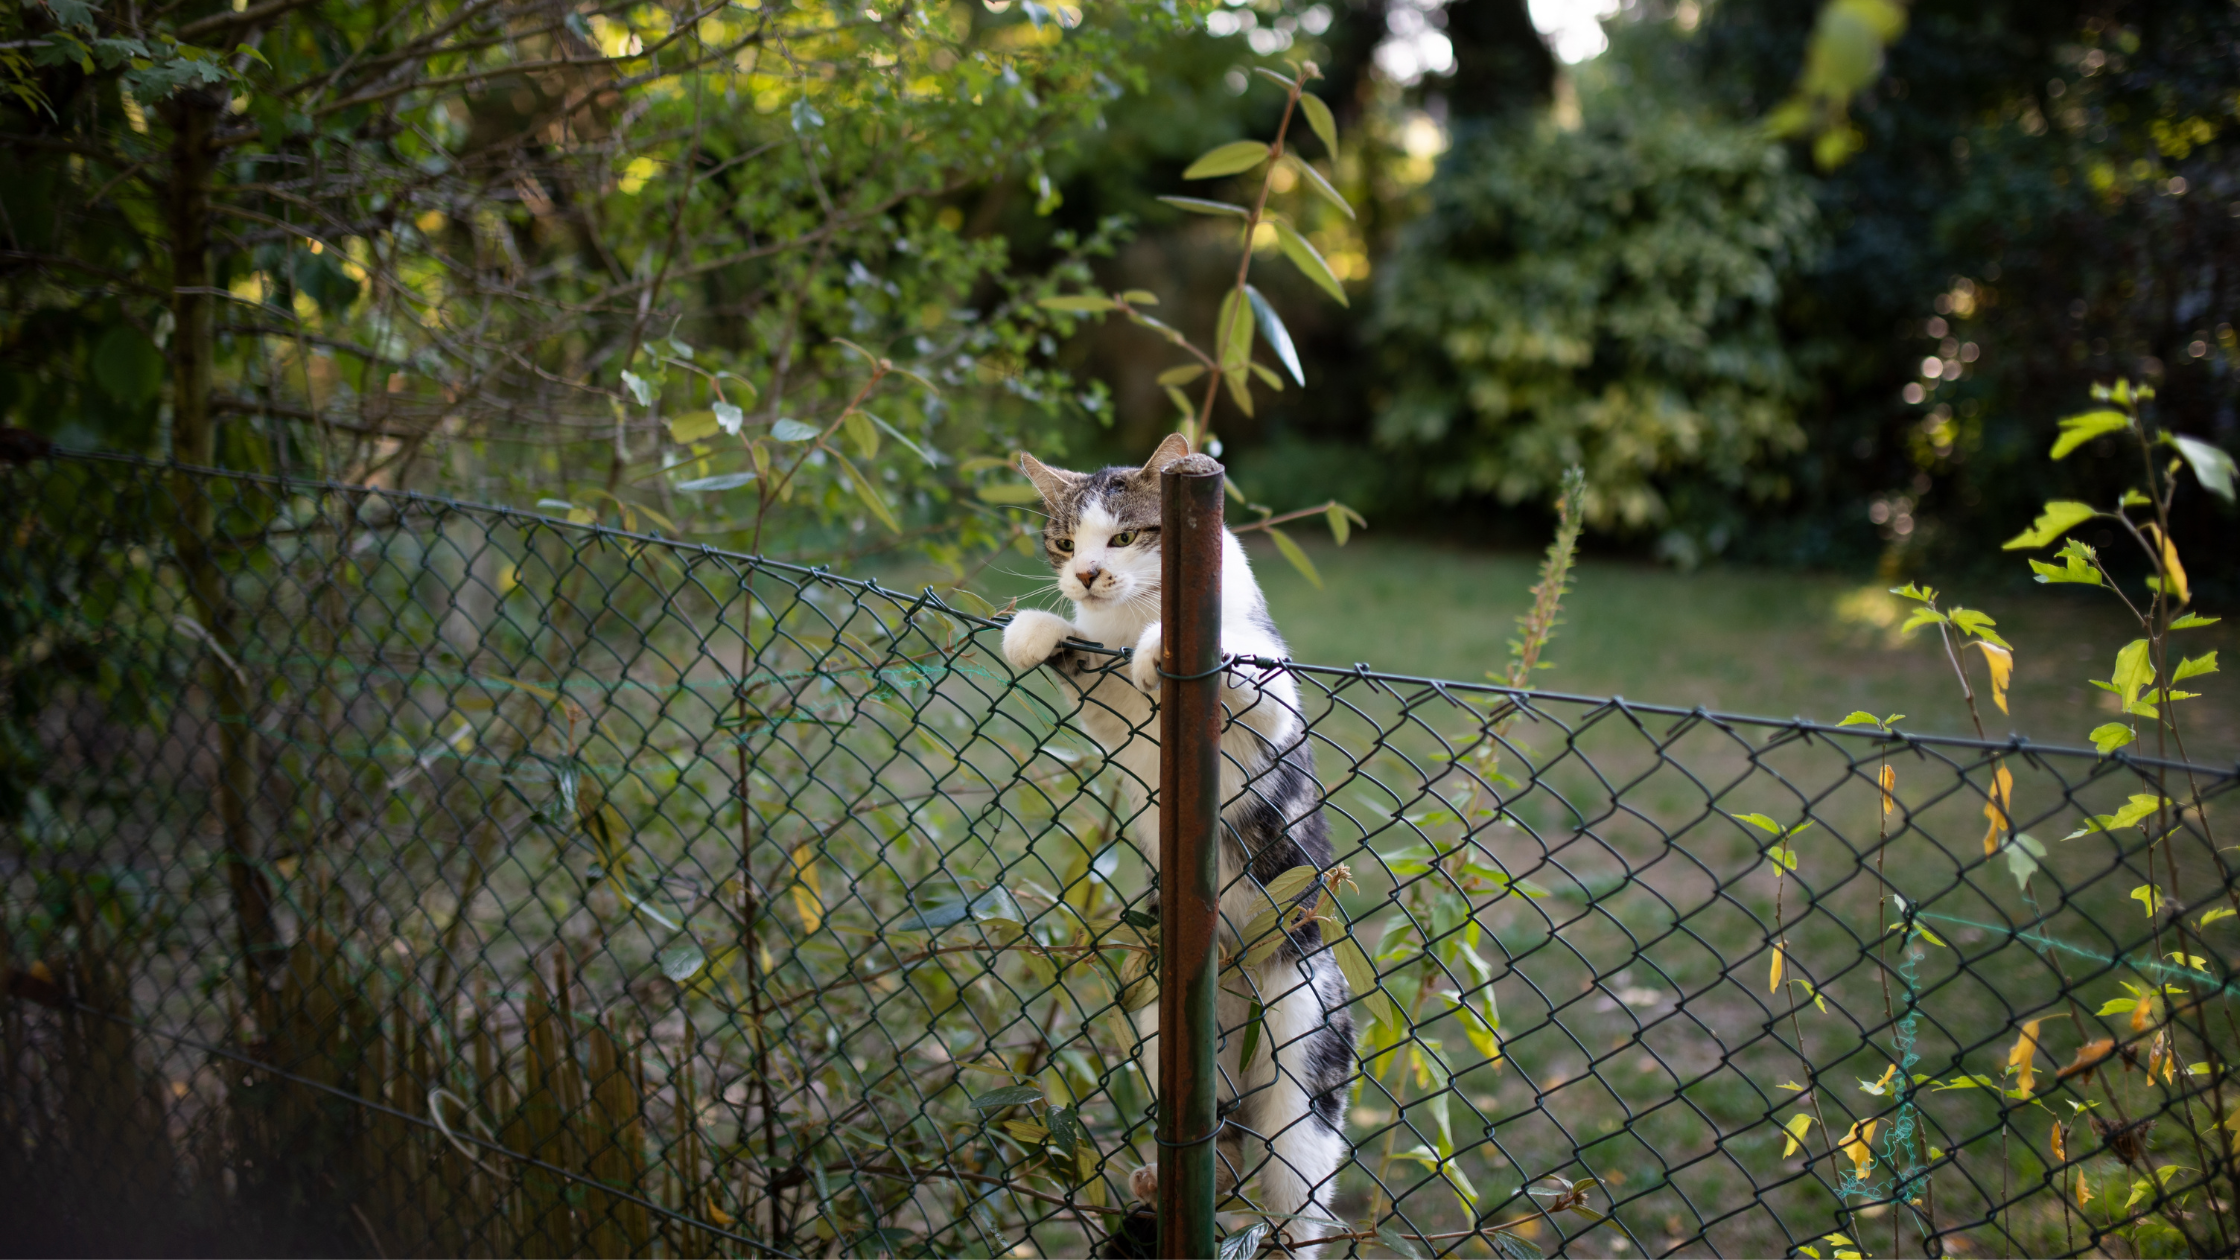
<point>1189,839</point>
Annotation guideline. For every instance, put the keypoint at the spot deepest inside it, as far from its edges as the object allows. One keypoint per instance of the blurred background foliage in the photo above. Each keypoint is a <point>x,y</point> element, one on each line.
<point>1800,284</point>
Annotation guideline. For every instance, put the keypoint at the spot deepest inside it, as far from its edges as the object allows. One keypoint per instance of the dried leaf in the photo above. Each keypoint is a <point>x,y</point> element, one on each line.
<point>1889,789</point>
<point>2023,1059</point>
<point>2090,1056</point>
<point>1780,958</point>
<point>2001,663</point>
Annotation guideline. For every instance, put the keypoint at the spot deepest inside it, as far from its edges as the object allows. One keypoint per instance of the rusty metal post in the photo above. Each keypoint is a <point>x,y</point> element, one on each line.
<point>1189,849</point>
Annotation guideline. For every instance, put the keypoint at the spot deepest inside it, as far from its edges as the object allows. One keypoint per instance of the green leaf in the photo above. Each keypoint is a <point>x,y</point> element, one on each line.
<point>1399,1243</point>
<point>1140,297</point>
<point>682,961</point>
<point>1079,304</point>
<point>1008,1096</point>
<point>2059,517</point>
<point>1320,185</point>
<point>2080,429</point>
<point>1009,493</point>
<point>1761,822</point>
<point>2194,667</point>
<point>1266,376</point>
<point>1924,594</point>
<point>1183,375</point>
<point>1308,260</point>
<point>2109,736</point>
<point>2023,853</point>
<point>2077,565</point>
<point>1922,617</point>
<point>692,426</point>
<point>2150,897</point>
<point>2118,1006</point>
<point>2133,813</point>
<point>1066,1131</point>
<point>1237,155</point>
<point>794,431</point>
<point>1245,1244</point>
<point>1199,205</point>
<point>1297,557</point>
<point>2134,669</point>
<point>1978,624</point>
<point>1252,1021</point>
<point>2221,912</point>
<point>1274,333</point>
<point>869,494</point>
<point>1340,527</point>
<point>1860,717</point>
<point>2211,465</point>
<point>1271,76</point>
<point>1783,856</point>
<point>862,433</point>
<point>640,388</point>
<point>1361,977</point>
<point>2194,621</point>
<point>1318,117</point>
<point>721,481</point>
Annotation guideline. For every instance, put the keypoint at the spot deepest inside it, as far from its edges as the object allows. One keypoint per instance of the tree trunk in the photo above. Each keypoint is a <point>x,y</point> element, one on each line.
<point>193,117</point>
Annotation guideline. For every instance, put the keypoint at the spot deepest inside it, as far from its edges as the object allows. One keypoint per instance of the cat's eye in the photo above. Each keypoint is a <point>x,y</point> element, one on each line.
<point>1123,538</point>
<point>1065,544</point>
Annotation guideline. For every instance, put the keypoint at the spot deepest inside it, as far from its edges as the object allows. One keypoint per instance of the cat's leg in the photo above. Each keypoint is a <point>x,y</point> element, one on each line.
<point>1143,668</point>
<point>1032,636</point>
<point>1298,1105</point>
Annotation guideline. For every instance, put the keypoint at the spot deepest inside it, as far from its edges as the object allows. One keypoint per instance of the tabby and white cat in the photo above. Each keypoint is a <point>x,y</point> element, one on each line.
<point>1102,538</point>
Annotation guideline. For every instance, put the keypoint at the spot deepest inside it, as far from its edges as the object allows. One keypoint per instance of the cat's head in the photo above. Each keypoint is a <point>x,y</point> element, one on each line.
<point>1102,535</point>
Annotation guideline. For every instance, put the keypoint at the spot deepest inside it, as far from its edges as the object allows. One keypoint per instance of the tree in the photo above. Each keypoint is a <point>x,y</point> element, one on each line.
<point>604,251</point>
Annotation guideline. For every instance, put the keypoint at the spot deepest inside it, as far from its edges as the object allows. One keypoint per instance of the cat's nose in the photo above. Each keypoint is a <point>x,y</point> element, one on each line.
<point>1089,573</point>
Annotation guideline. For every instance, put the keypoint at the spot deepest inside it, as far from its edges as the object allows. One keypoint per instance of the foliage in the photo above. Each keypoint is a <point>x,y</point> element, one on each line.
<point>583,254</point>
<point>2037,205</point>
<point>2167,1027</point>
<point>1603,296</point>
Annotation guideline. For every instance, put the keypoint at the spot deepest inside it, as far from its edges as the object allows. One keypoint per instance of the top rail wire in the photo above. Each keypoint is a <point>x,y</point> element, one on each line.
<point>387,873</point>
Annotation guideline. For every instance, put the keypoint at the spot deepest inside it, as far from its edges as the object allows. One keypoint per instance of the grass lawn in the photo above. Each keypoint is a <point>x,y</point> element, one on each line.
<point>1740,640</point>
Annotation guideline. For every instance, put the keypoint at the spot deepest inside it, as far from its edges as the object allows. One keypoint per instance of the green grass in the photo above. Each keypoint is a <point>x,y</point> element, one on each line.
<point>1739,640</point>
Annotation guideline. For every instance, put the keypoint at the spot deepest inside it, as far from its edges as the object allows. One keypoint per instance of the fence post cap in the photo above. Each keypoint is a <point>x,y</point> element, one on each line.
<point>1193,466</point>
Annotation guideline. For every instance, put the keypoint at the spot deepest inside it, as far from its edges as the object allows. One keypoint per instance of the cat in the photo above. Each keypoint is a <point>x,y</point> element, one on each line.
<point>1102,539</point>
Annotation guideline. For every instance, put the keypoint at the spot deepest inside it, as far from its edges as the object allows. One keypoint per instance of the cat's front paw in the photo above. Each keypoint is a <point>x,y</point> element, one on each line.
<point>1151,647</point>
<point>1143,1185</point>
<point>1032,636</point>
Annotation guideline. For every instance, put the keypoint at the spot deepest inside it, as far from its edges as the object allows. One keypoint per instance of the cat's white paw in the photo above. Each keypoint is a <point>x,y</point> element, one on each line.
<point>1151,646</point>
<point>1143,1185</point>
<point>1032,636</point>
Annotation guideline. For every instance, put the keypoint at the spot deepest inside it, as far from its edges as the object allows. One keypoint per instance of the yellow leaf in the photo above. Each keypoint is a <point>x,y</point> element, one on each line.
<point>2022,1060</point>
<point>1889,788</point>
<point>2001,663</point>
<point>717,1214</point>
<point>2175,573</point>
<point>1780,957</point>
<point>2060,1145</point>
<point>808,898</point>
<point>1857,1144</point>
<point>1997,809</point>
<point>1792,1133</point>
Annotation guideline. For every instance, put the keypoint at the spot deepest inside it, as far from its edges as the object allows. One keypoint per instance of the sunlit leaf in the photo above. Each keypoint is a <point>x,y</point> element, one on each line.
<point>1341,528</point>
<point>1228,159</point>
<point>1079,304</point>
<point>2133,813</point>
<point>1309,261</point>
<point>1321,186</point>
<point>808,895</point>
<point>2194,621</point>
<point>794,431</point>
<point>2194,667</point>
<point>1793,1133</point>
<point>694,425</point>
<point>2059,517</point>
<point>2211,465</point>
<point>1183,375</point>
<point>2080,429</point>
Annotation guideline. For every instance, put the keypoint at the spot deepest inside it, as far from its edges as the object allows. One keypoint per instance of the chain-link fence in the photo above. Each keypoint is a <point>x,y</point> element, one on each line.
<point>386,874</point>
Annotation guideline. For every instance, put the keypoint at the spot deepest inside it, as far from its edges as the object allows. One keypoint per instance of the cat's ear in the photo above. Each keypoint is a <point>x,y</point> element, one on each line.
<point>1054,483</point>
<point>1173,448</point>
